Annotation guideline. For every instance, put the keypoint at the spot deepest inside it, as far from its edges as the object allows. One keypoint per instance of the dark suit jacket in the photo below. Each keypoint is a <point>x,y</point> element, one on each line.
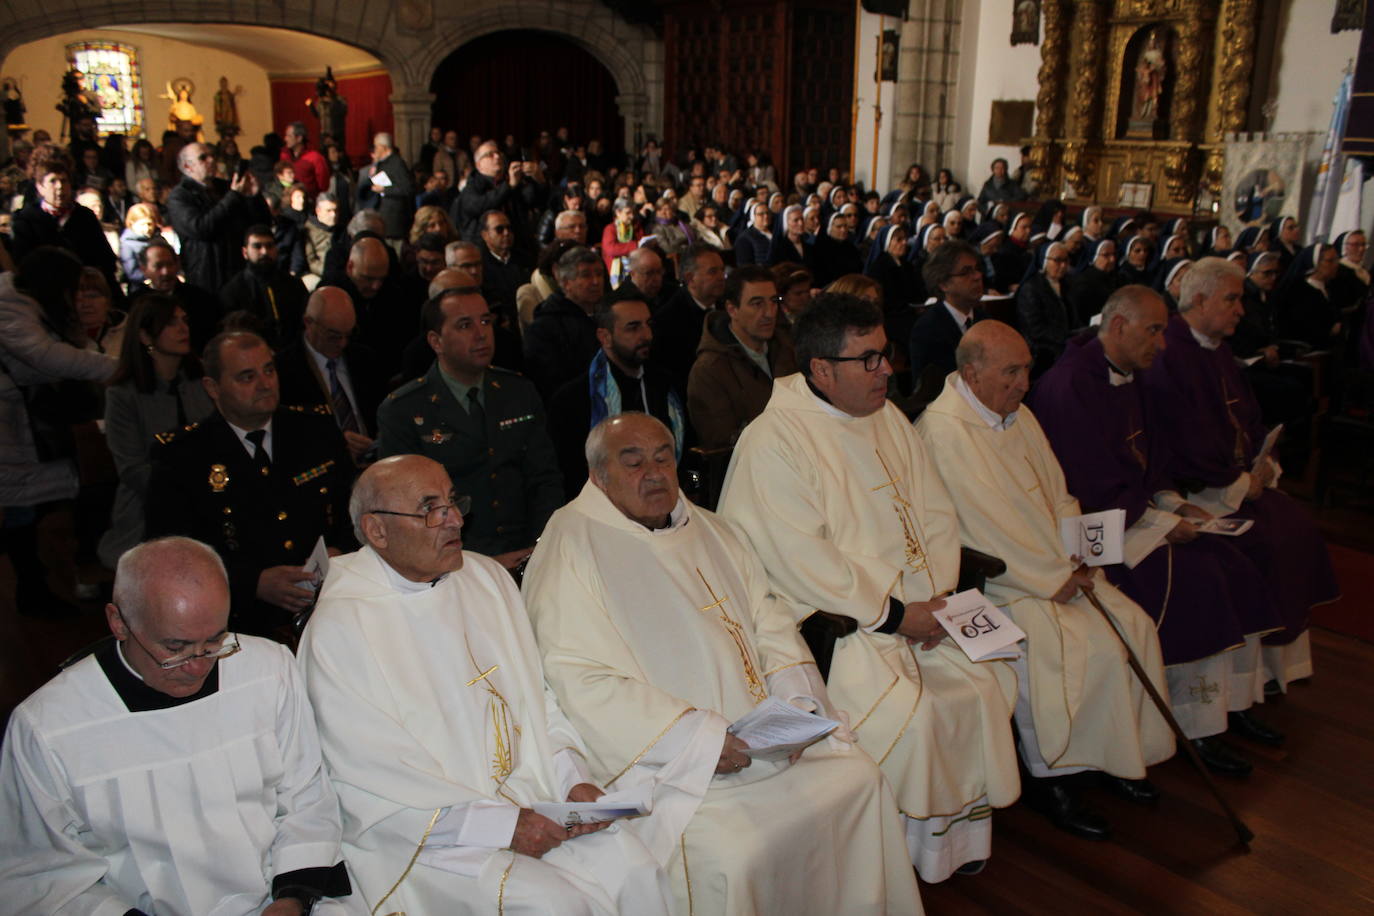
<point>303,384</point>
<point>678,327</point>
<point>204,485</point>
<point>395,203</point>
<point>81,235</point>
<point>280,313</point>
<point>934,339</point>
<point>210,220</point>
<point>507,466</point>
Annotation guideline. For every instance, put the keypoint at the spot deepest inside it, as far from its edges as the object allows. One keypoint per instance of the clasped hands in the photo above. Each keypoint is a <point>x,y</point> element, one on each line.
<point>535,834</point>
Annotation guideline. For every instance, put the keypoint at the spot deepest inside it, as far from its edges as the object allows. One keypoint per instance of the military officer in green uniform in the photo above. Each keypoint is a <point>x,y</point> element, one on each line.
<point>259,482</point>
<point>485,425</point>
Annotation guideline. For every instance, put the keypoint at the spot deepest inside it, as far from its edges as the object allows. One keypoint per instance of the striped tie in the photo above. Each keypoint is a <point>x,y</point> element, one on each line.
<point>338,398</point>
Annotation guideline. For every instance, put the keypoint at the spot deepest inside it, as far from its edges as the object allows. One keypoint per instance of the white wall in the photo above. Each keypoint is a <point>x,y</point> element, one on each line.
<point>990,69</point>
<point>1311,62</point>
<point>866,92</point>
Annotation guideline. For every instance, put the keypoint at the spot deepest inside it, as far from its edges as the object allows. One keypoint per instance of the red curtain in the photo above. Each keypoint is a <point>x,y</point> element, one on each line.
<point>522,81</point>
<point>369,109</point>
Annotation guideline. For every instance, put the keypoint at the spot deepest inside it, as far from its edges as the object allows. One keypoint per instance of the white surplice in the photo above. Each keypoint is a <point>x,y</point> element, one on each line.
<point>437,728</point>
<point>655,641</point>
<point>191,809</point>
<point>847,512</point>
<point>1082,704</point>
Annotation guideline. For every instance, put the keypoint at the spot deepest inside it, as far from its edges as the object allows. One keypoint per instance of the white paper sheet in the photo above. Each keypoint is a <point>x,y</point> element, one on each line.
<point>611,806</point>
<point>775,729</point>
<point>1095,538</point>
<point>317,564</point>
<point>979,627</point>
<point>1231,527</point>
<point>1146,535</point>
<point>1267,448</point>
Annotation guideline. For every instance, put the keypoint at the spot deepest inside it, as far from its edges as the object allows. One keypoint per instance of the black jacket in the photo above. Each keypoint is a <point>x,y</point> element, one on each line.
<point>277,300</point>
<point>396,203</point>
<point>81,235</point>
<point>302,383</point>
<point>559,343</point>
<point>481,194</point>
<point>1044,319</point>
<point>934,339</point>
<point>835,259</point>
<point>678,327</point>
<point>210,221</point>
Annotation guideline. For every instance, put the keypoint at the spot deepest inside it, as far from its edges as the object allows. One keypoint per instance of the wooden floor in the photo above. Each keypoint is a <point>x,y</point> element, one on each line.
<point>1311,804</point>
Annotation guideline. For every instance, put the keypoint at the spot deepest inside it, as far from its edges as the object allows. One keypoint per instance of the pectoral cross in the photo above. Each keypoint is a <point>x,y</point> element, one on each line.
<point>503,756</point>
<point>1204,691</point>
<point>1242,443</point>
<point>732,626</point>
<point>916,559</point>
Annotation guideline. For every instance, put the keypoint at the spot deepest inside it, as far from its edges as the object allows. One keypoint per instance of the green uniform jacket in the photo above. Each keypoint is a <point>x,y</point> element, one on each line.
<point>509,468</point>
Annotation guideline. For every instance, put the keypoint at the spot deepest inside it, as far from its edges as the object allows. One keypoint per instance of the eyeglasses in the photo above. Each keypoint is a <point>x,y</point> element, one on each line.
<point>434,516</point>
<point>965,272</point>
<point>1058,260</point>
<point>871,360</point>
<point>228,645</point>
<point>499,229</point>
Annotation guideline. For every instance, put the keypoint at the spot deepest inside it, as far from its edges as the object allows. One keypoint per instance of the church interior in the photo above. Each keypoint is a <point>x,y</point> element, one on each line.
<point>1157,127</point>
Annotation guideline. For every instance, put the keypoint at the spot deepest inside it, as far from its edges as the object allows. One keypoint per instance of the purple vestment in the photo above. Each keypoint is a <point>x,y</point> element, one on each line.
<point>1211,421</point>
<point>1205,596</point>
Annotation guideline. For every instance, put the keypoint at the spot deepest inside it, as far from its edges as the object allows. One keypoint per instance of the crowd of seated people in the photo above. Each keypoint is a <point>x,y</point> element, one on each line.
<point>293,356</point>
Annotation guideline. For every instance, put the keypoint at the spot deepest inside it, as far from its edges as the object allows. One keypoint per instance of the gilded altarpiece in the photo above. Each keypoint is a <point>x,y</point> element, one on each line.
<point>1141,92</point>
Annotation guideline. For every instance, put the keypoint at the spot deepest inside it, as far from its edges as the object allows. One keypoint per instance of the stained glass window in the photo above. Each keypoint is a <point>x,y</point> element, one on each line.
<point>111,75</point>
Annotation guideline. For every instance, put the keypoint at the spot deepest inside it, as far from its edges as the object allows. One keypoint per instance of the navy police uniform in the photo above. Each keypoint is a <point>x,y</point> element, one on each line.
<point>506,463</point>
<point>206,485</point>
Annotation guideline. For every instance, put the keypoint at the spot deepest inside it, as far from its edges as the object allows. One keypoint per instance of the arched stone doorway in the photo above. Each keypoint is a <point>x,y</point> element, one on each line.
<point>522,81</point>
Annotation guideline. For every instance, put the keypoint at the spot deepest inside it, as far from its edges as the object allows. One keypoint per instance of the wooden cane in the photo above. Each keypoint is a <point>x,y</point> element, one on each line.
<point>1242,832</point>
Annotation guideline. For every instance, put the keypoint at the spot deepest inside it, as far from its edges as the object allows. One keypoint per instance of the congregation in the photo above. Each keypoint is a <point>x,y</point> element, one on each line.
<point>454,485</point>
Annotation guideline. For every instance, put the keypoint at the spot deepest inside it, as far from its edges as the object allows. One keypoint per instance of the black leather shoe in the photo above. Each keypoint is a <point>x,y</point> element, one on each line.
<point>1060,803</point>
<point>972,868</point>
<point>1221,757</point>
<point>1247,726</point>
<point>1140,791</point>
<point>1272,688</point>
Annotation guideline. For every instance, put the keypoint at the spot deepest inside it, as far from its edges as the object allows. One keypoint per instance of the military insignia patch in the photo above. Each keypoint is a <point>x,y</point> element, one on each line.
<point>318,470</point>
<point>219,477</point>
<point>511,421</point>
<point>438,437</point>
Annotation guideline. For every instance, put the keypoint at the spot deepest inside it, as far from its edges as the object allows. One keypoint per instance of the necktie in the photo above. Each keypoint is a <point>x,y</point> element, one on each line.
<point>260,458</point>
<point>338,399</point>
<point>174,388</point>
<point>475,411</point>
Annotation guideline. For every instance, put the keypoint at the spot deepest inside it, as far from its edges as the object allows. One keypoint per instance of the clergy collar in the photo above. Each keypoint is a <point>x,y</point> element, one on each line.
<point>138,696</point>
<point>1117,376</point>
<point>825,404</point>
<point>401,583</point>
<point>1317,285</point>
<point>991,418</point>
<point>1203,340</point>
<point>677,519</point>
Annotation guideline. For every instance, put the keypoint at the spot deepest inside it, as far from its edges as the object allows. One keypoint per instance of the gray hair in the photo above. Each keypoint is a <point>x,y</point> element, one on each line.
<point>383,139</point>
<point>565,218</point>
<point>1124,302</point>
<point>366,221</point>
<point>639,255</point>
<point>138,565</point>
<point>1204,279</point>
<point>451,251</point>
<point>595,450</point>
<point>364,496</point>
<point>565,268</point>
<point>969,353</point>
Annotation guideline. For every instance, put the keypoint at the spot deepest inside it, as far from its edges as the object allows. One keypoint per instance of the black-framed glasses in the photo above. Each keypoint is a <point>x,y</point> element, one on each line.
<point>228,645</point>
<point>964,272</point>
<point>871,360</point>
<point>434,516</point>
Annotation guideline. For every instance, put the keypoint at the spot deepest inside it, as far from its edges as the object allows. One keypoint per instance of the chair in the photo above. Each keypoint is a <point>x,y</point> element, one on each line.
<point>702,474</point>
<point>823,629</point>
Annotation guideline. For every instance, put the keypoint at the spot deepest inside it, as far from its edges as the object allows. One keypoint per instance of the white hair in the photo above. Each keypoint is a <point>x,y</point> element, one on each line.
<point>361,500</point>
<point>365,221</point>
<point>1204,279</point>
<point>383,139</point>
<point>595,449</point>
<point>174,557</point>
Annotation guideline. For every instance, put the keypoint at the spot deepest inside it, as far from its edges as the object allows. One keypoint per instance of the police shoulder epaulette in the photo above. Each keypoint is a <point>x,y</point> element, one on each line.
<point>169,435</point>
<point>407,388</point>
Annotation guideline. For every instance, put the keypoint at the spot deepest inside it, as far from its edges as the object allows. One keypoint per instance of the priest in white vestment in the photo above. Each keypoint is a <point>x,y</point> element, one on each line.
<point>1079,707</point>
<point>175,770</point>
<point>836,494</point>
<point>657,631</point>
<point>439,731</point>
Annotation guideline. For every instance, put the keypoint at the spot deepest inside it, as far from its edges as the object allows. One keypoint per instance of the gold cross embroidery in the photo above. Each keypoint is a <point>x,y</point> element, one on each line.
<point>1204,691</point>
<point>732,626</point>
<point>1135,449</point>
<point>916,559</point>
<point>498,710</point>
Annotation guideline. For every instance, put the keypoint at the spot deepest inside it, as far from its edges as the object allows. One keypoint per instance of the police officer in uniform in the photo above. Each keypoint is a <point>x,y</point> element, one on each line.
<point>485,425</point>
<point>259,482</point>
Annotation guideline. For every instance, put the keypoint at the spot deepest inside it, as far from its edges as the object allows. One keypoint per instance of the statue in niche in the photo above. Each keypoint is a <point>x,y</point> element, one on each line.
<point>330,108</point>
<point>179,93</point>
<point>1146,86</point>
<point>227,110</point>
<point>15,109</point>
<point>1149,79</point>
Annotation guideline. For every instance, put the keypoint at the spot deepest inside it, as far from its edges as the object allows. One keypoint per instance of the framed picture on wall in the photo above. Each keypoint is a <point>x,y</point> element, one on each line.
<point>1137,194</point>
<point>1025,22</point>
<point>887,57</point>
<point>112,76</point>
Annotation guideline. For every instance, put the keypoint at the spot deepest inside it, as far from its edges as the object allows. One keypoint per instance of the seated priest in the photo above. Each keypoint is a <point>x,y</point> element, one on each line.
<point>1210,419</point>
<point>1208,601</point>
<point>834,491</point>
<point>657,631</point>
<point>439,730</point>
<point>1079,708</point>
<point>161,775</point>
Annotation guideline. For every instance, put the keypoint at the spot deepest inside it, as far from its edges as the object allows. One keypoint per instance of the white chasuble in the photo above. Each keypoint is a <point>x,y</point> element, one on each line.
<point>655,641</point>
<point>437,727</point>
<point>1089,709</point>
<point>187,808</point>
<point>846,512</point>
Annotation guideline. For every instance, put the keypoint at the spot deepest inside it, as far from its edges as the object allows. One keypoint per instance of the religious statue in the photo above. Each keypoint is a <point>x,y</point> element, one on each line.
<point>329,108</point>
<point>77,101</point>
<point>1149,79</point>
<point>227,110</point>
<point>179,94</point>
<point>14,106</point>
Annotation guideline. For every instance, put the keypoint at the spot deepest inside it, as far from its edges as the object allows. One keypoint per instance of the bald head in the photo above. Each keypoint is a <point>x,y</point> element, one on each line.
<point>368,266</point>
<point>329,321</point>
<point>1132,329</point>
<point>390,507</point>
<point>448,278</point>
<point>995,363</point>
<point>633,461</point>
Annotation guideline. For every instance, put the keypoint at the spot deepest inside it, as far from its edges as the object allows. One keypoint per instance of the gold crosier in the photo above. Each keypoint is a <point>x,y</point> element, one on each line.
<point>498,711</point>
<point>732,626</point>
<point>916,559</point>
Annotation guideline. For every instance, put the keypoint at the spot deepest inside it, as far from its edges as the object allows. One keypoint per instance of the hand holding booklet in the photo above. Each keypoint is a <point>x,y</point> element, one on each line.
<point>775,729</point>
<point>1231,527</point>
<point>979,627</point>
<point>609,807</point>
<point>1096,538</point>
